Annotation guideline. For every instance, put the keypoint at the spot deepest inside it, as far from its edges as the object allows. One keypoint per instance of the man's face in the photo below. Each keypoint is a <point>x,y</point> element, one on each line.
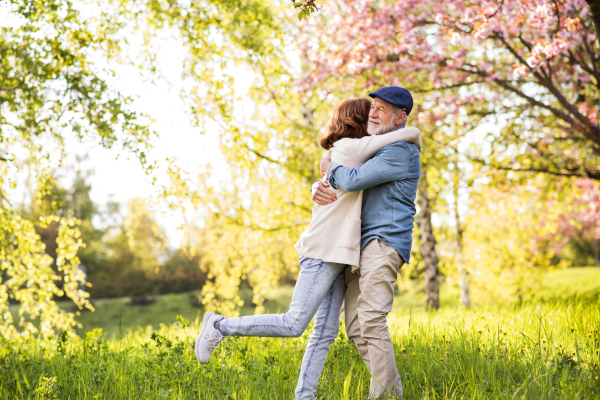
<point>382,119</point>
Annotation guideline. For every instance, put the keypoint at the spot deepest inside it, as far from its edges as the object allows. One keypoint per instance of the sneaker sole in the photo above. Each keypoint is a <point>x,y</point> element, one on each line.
<point>204,324</point>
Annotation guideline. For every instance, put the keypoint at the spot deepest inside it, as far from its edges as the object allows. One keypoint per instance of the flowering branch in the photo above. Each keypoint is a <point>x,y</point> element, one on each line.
<point>306,7</point>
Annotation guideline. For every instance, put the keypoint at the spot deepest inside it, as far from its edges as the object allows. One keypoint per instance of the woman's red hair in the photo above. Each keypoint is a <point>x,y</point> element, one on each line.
<point>347,120</point>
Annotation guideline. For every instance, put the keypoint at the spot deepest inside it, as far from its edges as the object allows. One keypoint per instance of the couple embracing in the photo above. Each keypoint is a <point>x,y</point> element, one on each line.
<point>359,237</point>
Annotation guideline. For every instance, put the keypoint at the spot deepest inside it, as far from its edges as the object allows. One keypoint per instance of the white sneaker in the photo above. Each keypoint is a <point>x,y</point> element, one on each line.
<point>208,338</point>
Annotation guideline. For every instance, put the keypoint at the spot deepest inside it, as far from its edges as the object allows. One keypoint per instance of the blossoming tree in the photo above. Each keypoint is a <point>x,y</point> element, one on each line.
<point>530,67</point>
<point>522,73</point>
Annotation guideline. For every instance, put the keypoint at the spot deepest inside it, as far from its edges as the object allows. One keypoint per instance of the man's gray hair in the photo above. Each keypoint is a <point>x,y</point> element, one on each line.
<point>396,110</point>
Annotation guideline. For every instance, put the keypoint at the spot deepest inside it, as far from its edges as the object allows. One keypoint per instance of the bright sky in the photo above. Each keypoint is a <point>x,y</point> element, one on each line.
<point>118,176</point>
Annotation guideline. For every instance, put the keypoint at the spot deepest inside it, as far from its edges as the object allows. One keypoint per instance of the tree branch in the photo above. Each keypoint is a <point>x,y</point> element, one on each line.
<point>557,14</point>
<point>568,172</point>
<point>592,59</point>
<point>595,175</point>
<point>497,9</point>
<point>260,228</point>
<point>573,110</point>
<point>457,85</point>
<point>505,84</point>
<point>261,155</point>
<point>592,131</point>
<point>11,88</point>
<point>585,67</point>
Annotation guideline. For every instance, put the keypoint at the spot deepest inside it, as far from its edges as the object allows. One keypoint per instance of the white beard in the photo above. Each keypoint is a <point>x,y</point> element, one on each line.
<point>381,129</point>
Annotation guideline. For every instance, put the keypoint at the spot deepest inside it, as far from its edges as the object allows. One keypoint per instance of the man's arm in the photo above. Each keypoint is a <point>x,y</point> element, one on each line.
<point>390,164</point>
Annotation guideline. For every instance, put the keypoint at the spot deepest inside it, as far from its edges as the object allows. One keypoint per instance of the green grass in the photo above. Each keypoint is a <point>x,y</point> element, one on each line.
<point>531,352</point>
<point>109,313</point>
<point>582,284</point>
<point>568,284</point>
<point>548,350</point>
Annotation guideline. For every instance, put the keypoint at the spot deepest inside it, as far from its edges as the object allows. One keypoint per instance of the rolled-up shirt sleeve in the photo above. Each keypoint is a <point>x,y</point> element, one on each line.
<point>390,164</point>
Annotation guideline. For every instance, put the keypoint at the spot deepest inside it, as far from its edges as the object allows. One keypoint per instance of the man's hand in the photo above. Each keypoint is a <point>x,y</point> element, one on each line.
<point>321,194</point>
<point>325,165</point>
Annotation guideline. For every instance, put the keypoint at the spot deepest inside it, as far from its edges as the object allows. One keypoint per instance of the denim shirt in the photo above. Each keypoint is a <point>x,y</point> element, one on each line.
<point>389,182</point>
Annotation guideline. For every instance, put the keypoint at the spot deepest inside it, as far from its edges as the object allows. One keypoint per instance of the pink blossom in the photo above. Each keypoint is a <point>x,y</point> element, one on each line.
<point>532,61</point>
<point>454,43</point>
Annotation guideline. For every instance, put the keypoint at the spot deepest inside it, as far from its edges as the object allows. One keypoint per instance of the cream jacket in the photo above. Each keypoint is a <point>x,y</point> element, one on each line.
<point>334,232</point>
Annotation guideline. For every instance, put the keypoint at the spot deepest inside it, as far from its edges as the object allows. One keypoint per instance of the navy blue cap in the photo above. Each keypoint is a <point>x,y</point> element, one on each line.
<point>395,95</point>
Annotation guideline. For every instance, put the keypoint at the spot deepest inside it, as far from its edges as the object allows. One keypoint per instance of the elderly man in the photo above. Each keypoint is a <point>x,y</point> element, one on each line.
<point>389,181</point>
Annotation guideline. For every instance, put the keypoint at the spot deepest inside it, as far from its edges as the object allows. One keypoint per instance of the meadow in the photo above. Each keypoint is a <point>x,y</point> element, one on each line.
<point>540,350</point>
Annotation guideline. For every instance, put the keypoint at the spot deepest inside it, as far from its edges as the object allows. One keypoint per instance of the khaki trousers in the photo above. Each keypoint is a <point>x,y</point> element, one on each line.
<point>369,299</point>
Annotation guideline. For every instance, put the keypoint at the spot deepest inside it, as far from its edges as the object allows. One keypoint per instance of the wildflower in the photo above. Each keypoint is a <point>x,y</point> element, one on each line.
<point>572,329</point>
<point>403,350</point>
<point>414,354</point>
<point>508,362</point>
<point>543,340</point>
<point>441,358</point>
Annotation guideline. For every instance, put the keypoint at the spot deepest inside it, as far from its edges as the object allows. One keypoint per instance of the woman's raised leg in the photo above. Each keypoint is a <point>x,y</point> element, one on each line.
<point>313,284</point>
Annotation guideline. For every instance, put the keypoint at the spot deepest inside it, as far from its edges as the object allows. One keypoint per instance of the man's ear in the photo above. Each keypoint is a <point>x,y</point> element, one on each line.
<point>400,118</point>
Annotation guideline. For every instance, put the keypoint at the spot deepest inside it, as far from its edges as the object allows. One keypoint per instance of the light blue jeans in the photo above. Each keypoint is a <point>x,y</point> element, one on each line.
<point>319,292</point>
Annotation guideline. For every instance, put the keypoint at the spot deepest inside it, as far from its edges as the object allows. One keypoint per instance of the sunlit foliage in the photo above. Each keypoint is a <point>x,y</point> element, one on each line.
<point>509,235</point>
<point>50,89</point>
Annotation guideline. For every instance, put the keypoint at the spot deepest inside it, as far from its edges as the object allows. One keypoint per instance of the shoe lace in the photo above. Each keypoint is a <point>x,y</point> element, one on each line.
<point>213,342</point>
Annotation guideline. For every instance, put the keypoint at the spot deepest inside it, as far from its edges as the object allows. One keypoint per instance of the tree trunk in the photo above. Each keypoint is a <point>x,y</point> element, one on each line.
<point>463,276</point>
<point>430,259</point>
<point>594,8</point>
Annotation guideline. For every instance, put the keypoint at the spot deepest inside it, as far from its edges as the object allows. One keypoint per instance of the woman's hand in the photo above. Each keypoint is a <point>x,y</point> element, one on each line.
<point>325,165</point>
